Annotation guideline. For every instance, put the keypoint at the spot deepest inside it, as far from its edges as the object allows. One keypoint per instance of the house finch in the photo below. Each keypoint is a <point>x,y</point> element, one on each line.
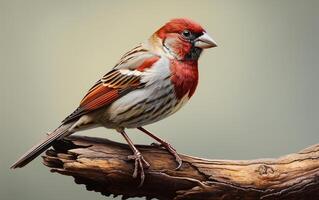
<point>149,83</point>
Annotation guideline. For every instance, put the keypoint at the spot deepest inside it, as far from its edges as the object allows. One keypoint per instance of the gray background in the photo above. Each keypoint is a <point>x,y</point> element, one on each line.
<point>258,93</point>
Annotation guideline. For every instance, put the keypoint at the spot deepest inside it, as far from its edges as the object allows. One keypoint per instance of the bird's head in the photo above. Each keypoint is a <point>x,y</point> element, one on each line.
<point>183,39</point>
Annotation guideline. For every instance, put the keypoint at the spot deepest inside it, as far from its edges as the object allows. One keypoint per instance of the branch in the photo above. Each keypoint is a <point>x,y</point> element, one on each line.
<point>102,165</point>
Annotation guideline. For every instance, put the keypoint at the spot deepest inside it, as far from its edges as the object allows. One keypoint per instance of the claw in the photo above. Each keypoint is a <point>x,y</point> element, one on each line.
<point>175,154</point>
<point>164,144</point>
<point>139,165</point>
<point>172,150</point>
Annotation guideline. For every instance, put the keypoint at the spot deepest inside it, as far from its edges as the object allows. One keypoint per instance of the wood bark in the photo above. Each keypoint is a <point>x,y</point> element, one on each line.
<point>102,165</point>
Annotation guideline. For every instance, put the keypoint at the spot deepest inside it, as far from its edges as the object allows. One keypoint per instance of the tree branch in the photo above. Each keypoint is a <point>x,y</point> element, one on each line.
<point>102,165</point>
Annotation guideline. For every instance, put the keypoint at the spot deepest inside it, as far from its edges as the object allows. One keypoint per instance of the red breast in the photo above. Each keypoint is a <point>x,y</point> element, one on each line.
<point>184,77</point>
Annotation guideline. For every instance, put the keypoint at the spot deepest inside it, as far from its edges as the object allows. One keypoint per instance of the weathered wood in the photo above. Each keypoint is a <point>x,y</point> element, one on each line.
<point>102,165</point>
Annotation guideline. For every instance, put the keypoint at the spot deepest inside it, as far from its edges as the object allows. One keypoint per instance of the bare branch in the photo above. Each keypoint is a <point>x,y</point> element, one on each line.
<point>102,165</point>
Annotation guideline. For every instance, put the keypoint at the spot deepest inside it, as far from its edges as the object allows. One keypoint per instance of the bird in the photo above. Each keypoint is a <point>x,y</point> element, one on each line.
<point>149,83</point>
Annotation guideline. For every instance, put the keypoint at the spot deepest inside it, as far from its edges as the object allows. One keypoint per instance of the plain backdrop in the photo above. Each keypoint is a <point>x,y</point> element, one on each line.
<point>257,97</point>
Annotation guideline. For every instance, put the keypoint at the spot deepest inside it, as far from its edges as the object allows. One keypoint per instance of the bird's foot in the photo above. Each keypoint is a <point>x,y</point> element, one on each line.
<point>172,150</point>
<point>139,166</point>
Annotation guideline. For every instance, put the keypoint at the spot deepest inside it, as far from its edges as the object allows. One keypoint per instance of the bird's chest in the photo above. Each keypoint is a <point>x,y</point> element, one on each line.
<point>184,78</point>
<point>169,86</point>
<point>146,106</point>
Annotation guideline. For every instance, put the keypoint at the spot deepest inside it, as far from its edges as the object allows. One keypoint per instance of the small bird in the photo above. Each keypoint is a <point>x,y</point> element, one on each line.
<point>149,83</point>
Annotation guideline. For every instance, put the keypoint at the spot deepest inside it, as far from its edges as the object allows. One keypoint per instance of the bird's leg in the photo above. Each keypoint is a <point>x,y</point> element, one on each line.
<point>166,145</point>
<point>140,162</point>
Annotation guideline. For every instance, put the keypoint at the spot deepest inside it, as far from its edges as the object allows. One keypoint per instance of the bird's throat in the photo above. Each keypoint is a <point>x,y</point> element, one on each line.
<point>184,77</point>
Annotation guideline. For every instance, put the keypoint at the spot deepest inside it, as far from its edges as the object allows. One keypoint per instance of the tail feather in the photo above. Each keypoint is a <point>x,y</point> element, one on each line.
<point>43,145</point>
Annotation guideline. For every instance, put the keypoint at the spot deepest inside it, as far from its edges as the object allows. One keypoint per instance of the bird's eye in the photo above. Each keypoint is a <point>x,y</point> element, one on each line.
<point>186,33</point>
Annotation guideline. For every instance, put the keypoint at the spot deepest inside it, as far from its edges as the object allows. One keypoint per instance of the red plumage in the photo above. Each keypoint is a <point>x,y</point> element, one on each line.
<point>149,83</point>
<point>178,25</point>
<point>184,77</point>
<point>147,63</point>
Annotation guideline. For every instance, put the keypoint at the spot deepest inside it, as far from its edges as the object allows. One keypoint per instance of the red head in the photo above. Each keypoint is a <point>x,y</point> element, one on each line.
<point>184,39</point>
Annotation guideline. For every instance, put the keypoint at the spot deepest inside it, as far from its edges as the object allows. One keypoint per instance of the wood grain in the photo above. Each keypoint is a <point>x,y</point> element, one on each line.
<point>102,165</point>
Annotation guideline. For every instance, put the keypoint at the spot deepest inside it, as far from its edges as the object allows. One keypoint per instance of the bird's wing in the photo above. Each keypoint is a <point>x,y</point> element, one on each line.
<point>122,79</point>
<point>137,58</point>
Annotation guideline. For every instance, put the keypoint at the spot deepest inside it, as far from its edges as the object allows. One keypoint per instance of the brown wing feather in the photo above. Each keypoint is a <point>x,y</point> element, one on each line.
<point>112,86</point>
<point>102,94</point>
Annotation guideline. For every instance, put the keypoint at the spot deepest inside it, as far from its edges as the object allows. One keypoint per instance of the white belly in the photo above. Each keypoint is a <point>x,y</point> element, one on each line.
<point>149,104</point>
<point>145,106</point>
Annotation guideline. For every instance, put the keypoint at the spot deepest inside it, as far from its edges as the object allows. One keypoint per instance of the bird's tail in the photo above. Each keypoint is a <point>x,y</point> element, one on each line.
<point>43,145</point>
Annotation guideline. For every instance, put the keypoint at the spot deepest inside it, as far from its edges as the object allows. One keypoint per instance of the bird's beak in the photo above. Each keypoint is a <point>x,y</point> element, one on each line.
<point>205,42</point>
